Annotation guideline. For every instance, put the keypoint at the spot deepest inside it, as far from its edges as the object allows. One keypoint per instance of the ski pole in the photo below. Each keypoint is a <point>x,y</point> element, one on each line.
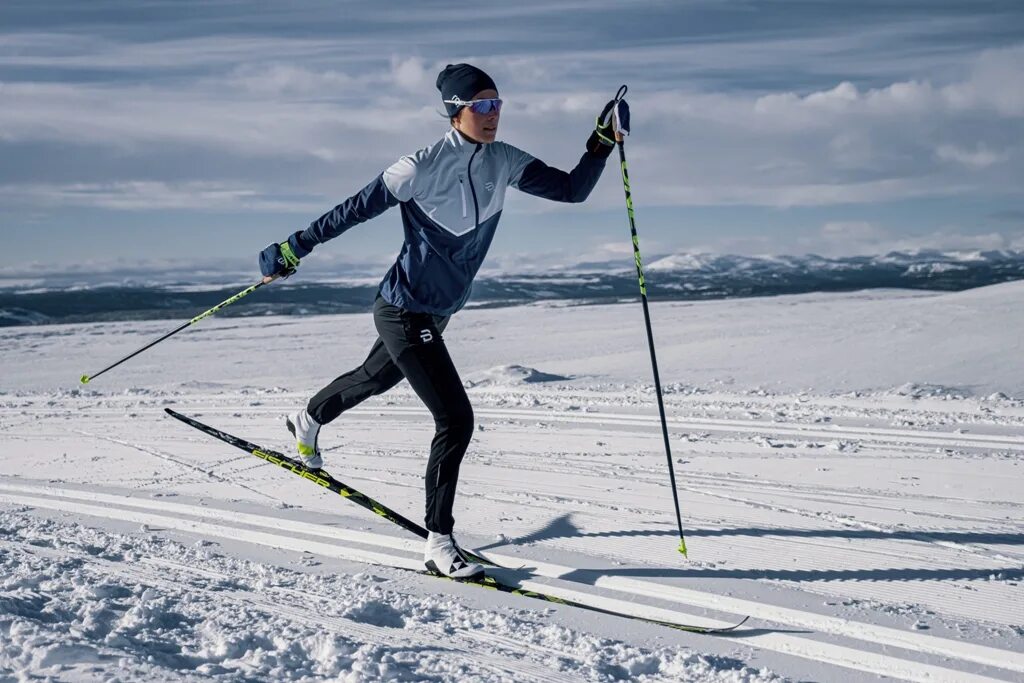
<point>619,138</point>
<point>85,379</point>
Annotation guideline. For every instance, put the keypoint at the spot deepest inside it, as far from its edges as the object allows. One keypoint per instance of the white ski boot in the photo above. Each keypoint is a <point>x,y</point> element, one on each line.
<point>305,430</point>
<point>441,555</point>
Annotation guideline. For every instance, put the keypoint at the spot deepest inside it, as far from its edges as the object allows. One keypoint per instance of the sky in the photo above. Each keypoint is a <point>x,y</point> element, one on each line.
<point>151,132</point>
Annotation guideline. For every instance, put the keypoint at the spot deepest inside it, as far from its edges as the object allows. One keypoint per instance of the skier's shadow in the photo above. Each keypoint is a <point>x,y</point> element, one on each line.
<point>559,527</point>
<point>563,527</point>
<point>590,576</point>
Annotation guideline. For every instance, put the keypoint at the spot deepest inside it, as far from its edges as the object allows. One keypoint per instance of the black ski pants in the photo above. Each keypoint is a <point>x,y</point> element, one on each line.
<point>410,346</point>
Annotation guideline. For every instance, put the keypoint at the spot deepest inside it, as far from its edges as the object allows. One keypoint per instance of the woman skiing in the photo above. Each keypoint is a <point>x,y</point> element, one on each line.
<point>451,195</point>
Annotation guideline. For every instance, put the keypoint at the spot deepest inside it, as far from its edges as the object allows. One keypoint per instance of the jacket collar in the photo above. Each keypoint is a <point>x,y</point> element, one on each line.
<point>462,146</point>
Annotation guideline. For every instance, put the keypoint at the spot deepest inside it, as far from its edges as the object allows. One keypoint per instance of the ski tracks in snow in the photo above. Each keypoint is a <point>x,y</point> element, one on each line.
<point>76,598</point>
<point>852,645</point>
<point>870,516</point>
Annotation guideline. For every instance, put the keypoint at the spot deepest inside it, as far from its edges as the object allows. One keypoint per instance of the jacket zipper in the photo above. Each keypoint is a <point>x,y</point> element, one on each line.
<point>476,207</point>
<point>462,190</point>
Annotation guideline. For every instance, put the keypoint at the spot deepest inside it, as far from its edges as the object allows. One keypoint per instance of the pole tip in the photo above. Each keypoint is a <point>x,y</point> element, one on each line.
<point>84,379</point>
<point>682,547</point>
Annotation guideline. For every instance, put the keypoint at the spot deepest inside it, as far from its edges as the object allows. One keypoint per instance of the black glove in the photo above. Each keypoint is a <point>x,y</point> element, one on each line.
<point>613,118</point>
<point>282,259</point>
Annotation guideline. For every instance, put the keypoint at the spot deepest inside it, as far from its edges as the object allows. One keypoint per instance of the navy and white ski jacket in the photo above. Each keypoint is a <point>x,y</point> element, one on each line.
<point>451,194</point>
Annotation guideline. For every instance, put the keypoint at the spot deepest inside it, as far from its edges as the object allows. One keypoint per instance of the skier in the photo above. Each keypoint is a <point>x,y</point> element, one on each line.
<point>451,195</point>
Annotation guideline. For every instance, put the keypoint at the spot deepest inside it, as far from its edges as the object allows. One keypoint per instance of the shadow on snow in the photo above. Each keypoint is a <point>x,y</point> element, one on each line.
<point>563,527</point>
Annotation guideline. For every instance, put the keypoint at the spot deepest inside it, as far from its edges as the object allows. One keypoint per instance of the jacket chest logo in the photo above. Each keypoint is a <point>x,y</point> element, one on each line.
<point>489,185</point>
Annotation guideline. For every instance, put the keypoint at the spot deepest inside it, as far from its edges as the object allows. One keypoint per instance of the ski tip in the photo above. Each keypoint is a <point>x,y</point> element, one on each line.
<point>84,379</point>
<point>682,547</point>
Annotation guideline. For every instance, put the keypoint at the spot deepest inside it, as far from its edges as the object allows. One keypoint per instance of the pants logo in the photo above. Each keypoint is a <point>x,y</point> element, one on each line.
<point>426,336</point>
<point>489,186</point>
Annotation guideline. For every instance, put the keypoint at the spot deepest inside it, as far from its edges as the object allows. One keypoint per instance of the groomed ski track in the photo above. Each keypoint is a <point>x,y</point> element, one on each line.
<point>773,629</point>
<point>855,576</point>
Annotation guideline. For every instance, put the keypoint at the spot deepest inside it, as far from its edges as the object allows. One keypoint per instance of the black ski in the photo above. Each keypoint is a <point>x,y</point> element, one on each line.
<point>320,477</point>
<point>324,479</point>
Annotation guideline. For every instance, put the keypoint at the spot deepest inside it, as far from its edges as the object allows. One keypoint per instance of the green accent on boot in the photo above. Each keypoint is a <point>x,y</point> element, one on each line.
<point>305,450</point>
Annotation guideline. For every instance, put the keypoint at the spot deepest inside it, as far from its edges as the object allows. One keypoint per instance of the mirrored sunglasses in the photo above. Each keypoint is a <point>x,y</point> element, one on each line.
<point>478,106</point>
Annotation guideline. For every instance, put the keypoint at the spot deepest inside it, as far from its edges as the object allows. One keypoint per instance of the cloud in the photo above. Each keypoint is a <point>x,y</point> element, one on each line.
<point>954,241</point>
<point>274,80</point>
<point>280,98</point>
<point>996,83</point>
<point>78,51</point>
<point>411,74</point>
<point>847,238</point>
<point>981,157</point>
<point>249,115</point>
<point>835,145</point>
<point>790,105</point>
<point>153,196</point>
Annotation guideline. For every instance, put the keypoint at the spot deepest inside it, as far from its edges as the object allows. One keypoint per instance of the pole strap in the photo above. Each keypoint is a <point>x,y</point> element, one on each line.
<point>290,259</point>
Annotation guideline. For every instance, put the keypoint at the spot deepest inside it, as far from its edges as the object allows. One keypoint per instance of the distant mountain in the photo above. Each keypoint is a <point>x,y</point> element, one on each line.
<point>341,288</point>
<point>917,260</point>
<point>924,268</point>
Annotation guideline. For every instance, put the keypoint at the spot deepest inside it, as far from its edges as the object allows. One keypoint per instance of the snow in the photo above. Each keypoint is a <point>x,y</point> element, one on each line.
<point>848,469</point>
<point>511,375</point>
<point>77,603</point>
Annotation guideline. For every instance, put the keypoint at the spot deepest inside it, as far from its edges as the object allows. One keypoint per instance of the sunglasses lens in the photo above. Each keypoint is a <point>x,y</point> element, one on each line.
<point>486,106</point>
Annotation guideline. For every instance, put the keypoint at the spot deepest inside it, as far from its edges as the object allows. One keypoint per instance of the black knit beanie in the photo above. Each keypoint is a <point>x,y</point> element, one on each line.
<point>462,81</point>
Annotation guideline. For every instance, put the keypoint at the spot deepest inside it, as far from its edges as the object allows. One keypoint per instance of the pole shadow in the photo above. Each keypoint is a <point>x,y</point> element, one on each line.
<point>563,527</point>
